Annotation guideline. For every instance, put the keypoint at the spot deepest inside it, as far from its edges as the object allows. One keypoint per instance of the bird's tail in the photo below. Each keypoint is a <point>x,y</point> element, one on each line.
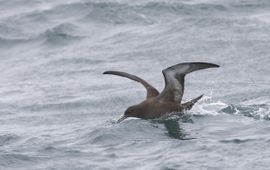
<point>188,105</point>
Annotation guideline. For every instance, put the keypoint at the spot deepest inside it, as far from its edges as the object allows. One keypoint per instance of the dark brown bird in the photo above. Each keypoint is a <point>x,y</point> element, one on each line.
<point>169,100</point>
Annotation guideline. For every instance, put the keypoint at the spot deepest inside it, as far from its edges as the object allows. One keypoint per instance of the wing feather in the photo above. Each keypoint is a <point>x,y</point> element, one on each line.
<point>175,77</point>
<point>151,91</point>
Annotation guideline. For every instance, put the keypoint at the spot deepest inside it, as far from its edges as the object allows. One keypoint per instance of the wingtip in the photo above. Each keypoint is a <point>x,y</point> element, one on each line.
<point>206,63</point>
<point>215,65</point>
<point>106,72</point>
<point>211,64</point>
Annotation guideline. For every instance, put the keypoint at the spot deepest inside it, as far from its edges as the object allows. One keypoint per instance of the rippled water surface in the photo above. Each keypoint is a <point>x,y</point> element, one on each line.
<point>57,110</point>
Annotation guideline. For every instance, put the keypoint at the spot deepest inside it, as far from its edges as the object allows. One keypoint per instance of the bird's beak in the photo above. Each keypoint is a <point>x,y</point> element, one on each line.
<point>121,119</point>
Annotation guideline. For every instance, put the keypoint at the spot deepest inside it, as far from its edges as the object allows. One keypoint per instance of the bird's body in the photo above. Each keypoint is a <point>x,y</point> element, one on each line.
<point>169,100</point>
<point>152,108</point>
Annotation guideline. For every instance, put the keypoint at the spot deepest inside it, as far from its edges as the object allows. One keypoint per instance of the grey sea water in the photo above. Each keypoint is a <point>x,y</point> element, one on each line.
<point>58,112</point>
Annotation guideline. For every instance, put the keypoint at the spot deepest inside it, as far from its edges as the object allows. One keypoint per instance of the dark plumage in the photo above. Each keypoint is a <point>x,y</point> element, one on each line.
<point>169,100</point>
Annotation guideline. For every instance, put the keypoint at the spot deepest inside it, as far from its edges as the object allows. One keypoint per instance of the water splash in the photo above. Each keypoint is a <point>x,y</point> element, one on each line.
<point>208,106</point>
<point>258,108</point>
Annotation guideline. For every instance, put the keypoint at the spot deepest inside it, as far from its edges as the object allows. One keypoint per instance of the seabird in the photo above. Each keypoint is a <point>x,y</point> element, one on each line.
<point>157,104</point>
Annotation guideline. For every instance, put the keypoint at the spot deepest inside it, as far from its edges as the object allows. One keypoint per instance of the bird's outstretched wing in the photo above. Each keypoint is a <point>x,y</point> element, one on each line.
<point>174,80</point>
<point>151,91</point>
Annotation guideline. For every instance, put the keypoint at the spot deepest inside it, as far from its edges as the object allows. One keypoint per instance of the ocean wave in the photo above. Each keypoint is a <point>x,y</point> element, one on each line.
<point>258,108</point>
<point>74,61</point>
<point>53,150</point>
<point>249,4</point>
<point>130,130</point>
<point>7,160</point>
<point>94,12</point>
<point>184,8</point>
<point>11,35</point>
<point>144,13</point>
<point>61,34</point>
<point>116,12</point>
<point>10,30</point>
<point>254,111</point>
<point>4,42</point>
<point>237,141</point>
<point>6,139</point>
<point>69,105</point>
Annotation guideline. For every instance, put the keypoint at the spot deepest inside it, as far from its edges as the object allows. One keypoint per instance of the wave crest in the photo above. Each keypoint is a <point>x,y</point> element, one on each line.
<point>60,35</point>
<point>258,108</point>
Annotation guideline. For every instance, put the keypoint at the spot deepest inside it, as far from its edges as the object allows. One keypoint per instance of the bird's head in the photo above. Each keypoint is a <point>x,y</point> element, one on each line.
<point>132,111</point>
